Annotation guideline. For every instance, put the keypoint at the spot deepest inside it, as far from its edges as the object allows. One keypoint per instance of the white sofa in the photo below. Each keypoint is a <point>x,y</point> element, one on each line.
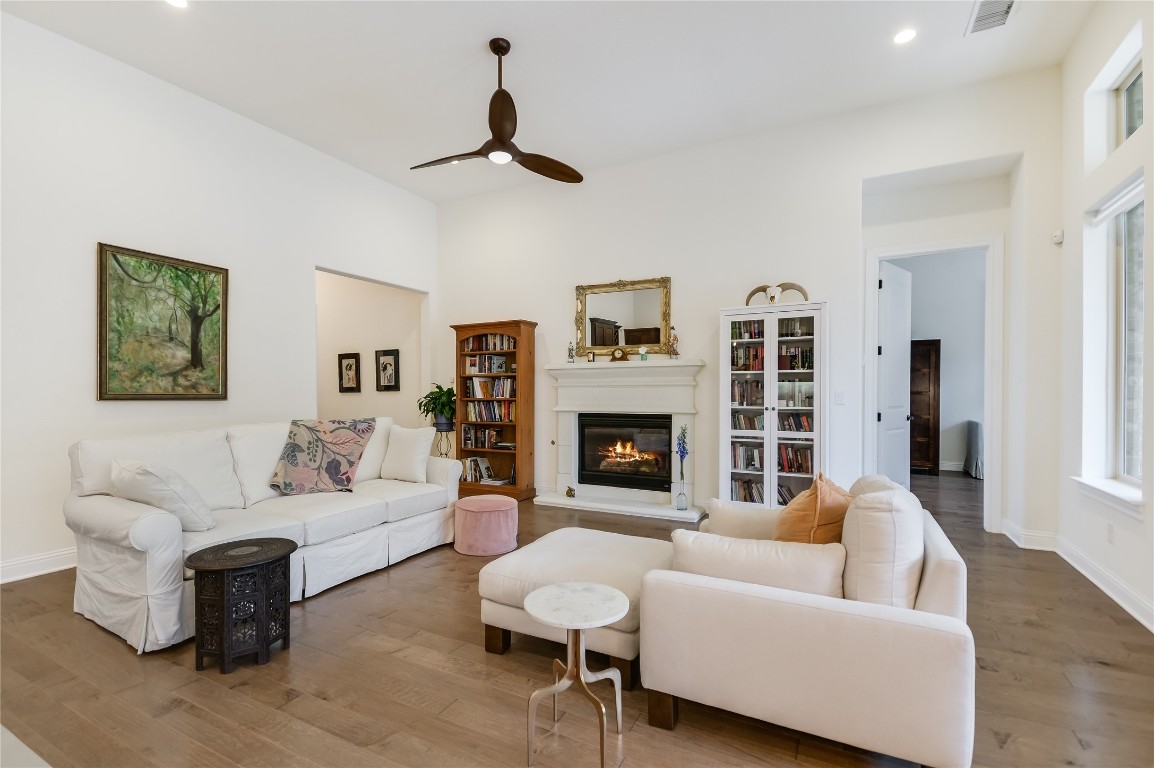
<point>891,678</point>
<point>130,574</point>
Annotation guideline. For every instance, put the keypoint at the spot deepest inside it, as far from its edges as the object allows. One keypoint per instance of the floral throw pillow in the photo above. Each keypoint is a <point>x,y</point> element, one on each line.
<point>321,456</point>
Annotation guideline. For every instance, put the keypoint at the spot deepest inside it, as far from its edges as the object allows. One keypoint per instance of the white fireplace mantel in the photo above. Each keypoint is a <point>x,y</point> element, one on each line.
<point>653,386</point>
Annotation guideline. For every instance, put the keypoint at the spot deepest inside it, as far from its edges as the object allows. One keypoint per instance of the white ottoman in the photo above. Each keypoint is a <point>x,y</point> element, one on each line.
<point>572,554</point>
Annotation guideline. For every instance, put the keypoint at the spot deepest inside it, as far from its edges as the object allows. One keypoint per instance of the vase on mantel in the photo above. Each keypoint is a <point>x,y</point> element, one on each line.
<point>682,503</point>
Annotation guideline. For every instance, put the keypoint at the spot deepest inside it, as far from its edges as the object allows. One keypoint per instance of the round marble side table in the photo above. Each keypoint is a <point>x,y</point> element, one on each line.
<point>576,606</point>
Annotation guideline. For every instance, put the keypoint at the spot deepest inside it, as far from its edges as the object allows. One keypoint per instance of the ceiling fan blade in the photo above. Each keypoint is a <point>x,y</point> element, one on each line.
<point>502,116</point>
<point>450,159</point>
<point>548,167</point>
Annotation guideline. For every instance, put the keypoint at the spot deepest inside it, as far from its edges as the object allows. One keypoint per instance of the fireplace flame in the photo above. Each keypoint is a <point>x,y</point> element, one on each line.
<point>624,452</point>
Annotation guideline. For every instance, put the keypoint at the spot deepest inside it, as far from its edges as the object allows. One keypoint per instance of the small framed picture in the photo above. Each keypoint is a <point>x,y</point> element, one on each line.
<point>349,372</point>
<point>388,373</point>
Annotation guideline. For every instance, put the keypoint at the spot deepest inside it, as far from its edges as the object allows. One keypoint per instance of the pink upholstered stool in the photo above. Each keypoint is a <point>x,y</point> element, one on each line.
<point>485,525</point>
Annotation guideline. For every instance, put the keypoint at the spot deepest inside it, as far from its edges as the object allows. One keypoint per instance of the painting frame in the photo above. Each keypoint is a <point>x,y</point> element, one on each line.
<point>391,358</point>
<point>198,298</point>
<point>349,379</point>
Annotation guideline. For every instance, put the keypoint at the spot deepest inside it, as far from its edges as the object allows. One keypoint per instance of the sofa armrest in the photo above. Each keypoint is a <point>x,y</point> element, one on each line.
<point>942,589</point>
<point>445,472</point>
<point>887,679</point>
<point>122,522</point>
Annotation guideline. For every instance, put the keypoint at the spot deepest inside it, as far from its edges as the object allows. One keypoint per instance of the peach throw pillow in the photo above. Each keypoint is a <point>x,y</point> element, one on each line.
<point>815,515</point>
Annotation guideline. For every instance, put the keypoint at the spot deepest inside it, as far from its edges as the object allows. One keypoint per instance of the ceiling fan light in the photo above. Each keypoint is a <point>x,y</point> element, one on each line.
<point>500,157</point>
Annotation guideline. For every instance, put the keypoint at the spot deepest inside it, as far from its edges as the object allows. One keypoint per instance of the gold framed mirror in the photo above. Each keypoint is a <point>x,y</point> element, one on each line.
<point>628,313</point>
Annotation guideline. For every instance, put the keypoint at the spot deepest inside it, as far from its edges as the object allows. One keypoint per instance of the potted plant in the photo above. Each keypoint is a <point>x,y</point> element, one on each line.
<point>440,403</point>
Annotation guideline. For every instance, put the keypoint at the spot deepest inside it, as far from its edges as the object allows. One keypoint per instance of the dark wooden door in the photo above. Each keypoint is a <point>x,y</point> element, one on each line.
<point>925,393</point>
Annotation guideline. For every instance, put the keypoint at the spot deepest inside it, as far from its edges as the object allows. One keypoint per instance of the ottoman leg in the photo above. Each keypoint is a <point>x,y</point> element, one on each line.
<point>497,639</point>
<point>662,710</point>
<point>630,670</point>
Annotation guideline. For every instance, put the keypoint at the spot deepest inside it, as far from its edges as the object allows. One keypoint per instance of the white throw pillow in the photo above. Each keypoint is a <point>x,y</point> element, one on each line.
<point>162,488</point>
<point>256,448</point>
<point>374,454</point>
<point>812,568</point>
<point>727,518</point>
<point>408,454</point>
<point>883,534</point>
<point>873,484</point>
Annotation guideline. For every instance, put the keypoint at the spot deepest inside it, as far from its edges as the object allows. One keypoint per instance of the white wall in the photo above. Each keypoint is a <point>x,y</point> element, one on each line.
<point>95,151</point>
<point>781,206</point>
<point>949,291</point>
<point>362,316</point>
<point>1113,547</point>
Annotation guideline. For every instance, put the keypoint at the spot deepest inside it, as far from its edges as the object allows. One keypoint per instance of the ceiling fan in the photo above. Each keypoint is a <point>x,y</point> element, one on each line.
<point>503,124</point>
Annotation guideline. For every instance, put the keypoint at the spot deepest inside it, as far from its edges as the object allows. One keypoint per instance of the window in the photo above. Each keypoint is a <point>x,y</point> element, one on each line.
<point>1130,103</point>
<point>1129,360</point>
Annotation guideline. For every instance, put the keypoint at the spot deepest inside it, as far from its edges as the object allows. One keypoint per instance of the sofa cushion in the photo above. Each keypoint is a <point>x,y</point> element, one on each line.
<point>327,516</point>
<point>407,456</point>
<point>374,453</point>
<point>883,536</point>
<point>256,448</point>
<point>240,523</point>
<point>815,515</point>
<point>404,499</point>
<point>577,554</point>
<point>162,488</point>
<point>741,521</point>
<point>813,568</point>
<point>202,458</point>
<point>321,456</point>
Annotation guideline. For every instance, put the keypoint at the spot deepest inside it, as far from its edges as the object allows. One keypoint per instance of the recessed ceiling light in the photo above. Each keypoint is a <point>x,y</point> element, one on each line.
<point>903,37</point>
<point>177,3</point>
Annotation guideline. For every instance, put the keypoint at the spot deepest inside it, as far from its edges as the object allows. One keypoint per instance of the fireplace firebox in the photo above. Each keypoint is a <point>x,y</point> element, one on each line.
<point>625,450</point>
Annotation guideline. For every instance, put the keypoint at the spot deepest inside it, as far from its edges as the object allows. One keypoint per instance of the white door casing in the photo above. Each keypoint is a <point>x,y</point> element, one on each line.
<point>895,313</point>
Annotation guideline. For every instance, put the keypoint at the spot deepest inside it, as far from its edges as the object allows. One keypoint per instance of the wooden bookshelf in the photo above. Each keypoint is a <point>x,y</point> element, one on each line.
<point>495,369</point>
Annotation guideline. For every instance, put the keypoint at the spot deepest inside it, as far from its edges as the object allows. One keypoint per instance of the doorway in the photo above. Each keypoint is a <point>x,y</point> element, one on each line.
<point>986,306</point>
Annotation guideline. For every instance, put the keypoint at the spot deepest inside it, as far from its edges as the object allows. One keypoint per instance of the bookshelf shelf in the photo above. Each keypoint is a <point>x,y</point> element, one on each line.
<point>494,374</point>
<point>772,418</point>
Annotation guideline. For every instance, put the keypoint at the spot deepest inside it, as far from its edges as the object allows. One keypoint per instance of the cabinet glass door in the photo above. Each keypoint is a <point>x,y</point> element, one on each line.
<point>747,410</point>
<point>793,432</point>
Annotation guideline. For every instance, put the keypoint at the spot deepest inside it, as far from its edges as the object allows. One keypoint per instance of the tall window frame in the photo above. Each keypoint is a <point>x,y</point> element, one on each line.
<point>1128,364</point>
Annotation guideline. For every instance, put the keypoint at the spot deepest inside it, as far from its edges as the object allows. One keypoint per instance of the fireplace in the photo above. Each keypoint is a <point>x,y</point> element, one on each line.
<point>625,450</point>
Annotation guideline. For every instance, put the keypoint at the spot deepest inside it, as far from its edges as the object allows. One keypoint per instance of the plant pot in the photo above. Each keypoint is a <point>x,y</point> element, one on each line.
<point>443,423</point>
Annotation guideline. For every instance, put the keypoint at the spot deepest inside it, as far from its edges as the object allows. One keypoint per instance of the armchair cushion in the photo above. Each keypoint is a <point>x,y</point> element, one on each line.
<point>813,568</point>
<point>741,521</point>
<point>883,536</point>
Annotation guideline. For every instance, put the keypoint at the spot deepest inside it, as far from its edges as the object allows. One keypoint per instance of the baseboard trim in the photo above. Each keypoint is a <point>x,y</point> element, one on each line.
<point>951,466</point>
<point>1138,606</point>
<point>1029,539</point>
<point>37,565</point>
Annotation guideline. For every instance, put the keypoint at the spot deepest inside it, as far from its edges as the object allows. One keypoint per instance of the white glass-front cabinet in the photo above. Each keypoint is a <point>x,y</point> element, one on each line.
<point>772,402</point>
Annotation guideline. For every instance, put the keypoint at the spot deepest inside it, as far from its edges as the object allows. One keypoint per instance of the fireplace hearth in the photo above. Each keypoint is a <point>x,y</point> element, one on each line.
<point>625,450</point>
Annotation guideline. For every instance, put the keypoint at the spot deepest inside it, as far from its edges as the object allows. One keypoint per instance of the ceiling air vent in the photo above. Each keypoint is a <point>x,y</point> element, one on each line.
<point>989,14</point>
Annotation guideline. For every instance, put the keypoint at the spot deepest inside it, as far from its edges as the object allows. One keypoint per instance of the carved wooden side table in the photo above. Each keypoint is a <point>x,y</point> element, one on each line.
<point>242,599</point>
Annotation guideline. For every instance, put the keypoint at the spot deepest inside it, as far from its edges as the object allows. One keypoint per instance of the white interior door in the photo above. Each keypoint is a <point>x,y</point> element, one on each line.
<point>894,332</point>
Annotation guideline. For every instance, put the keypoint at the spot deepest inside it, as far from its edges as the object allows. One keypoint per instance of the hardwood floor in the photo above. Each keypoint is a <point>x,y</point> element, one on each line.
<point>390,670</point>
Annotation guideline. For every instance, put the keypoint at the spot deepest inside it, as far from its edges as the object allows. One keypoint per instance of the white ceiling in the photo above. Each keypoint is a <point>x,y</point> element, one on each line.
<point>387,85</point>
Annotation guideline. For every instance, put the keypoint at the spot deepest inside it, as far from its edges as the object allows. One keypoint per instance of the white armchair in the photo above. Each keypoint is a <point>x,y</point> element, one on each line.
<point>889,679</point>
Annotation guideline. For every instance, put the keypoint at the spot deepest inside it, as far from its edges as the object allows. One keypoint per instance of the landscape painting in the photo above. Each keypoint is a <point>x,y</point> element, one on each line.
<point>163,327</point>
